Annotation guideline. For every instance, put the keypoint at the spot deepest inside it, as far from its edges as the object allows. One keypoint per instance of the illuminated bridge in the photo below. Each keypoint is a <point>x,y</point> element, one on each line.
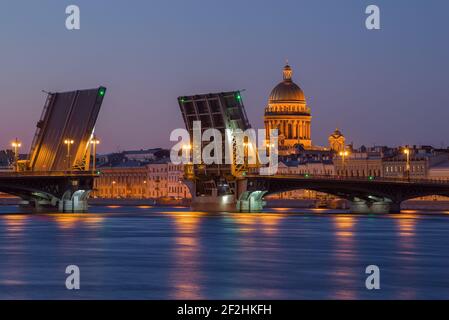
<point>57,174</point>
<point>234,187</point>
<point>366,195</point>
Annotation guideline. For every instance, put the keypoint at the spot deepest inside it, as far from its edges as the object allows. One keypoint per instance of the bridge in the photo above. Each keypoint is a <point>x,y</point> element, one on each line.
<point>235,188</point>
<point>366,195</point>
<point>57,173</point>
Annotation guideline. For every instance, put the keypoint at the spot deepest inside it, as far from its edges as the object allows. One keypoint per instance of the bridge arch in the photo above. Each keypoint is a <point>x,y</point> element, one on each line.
<point>365,194</point>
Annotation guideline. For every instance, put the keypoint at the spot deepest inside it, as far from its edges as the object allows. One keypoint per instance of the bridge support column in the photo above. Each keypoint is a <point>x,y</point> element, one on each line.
<point>76,202</point>
<point>251,201</point>
<point>224,203</point>
<point>363,206</point>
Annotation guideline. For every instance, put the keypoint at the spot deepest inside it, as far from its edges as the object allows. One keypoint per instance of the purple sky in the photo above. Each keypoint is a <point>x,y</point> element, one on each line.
<point>379,87</point>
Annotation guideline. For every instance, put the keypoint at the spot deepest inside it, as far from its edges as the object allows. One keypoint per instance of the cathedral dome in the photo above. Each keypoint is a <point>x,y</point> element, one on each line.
<point>287,90</point>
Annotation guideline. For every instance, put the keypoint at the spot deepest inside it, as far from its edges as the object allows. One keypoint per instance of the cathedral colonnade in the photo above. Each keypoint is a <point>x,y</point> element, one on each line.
<point>290,129</point>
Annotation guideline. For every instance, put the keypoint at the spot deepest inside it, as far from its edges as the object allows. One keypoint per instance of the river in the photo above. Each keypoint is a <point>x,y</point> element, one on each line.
<point>172,253</point>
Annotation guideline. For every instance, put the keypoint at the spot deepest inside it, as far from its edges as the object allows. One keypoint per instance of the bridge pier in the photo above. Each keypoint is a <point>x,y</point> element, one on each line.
<point>74,202</point>
<point>251,201</point>
<point>385,206</point>
<point>240,201</point>
<point>223,203</point>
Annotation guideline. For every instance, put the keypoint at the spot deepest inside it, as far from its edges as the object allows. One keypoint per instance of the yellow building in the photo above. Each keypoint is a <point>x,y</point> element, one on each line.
<point>288,112</point>
<point>337,141</point>
<point>154,180</point>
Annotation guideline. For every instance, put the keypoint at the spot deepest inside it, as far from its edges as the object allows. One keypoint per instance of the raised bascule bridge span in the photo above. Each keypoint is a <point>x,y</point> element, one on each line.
<point>235,188</point>
<point>57,174</point>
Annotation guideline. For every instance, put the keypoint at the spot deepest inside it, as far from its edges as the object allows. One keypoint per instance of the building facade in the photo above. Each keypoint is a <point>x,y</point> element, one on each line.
<point>287,111</point>
<point>358,164</point>
<point>157,180</point>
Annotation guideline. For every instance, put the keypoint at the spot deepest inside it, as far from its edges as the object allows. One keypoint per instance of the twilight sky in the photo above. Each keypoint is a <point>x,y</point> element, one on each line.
<point>379,87</point>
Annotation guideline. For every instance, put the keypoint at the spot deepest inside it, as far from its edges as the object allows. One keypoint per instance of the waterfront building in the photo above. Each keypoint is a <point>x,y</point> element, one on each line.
<point>165,180</point>
<point>159,179</point>
<point>439,171</point>
<point>124,181</point>
<point>421,160</point>
<point>358,164</point>
<point>288,112</point>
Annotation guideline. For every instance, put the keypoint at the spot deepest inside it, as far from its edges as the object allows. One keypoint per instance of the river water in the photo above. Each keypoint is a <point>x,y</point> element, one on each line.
<point>173,253</point>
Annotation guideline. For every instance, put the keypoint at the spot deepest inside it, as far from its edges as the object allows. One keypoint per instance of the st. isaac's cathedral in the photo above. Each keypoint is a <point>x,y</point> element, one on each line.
<point>288,112</point>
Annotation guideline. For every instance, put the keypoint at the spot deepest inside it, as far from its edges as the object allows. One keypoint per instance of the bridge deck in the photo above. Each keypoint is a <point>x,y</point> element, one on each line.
<point>351,179</point>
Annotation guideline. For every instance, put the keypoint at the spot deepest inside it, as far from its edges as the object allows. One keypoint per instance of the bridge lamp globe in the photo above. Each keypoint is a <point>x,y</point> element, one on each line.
<point>16,144</point>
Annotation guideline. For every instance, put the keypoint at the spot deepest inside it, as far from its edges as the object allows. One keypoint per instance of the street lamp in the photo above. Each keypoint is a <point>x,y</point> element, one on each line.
<point>16,144</point>
<point>68,143</point>
<point>343,154</point>
<point>179,188</point>
<point>113,184</point>
<point>144,189</point>
<point>407,168</point>
<point>94,143</point>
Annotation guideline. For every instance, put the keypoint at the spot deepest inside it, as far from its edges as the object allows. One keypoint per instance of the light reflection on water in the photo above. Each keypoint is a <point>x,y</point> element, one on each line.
<point>186,275</point>
<point>345,257</point>
<point>151,253</point>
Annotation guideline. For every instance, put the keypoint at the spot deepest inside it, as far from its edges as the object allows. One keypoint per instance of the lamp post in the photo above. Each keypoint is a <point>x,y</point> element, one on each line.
<point>113,184</point>
<point>68,143</point>
<point>94,143</point>
<point>343,154</point>
<point>16,144</point>
<point>144,189</point>
<point>179,188</point>
<point>407,167</point>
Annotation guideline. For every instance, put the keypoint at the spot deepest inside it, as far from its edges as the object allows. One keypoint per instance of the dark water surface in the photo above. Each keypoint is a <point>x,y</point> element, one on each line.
<point>172,253</point>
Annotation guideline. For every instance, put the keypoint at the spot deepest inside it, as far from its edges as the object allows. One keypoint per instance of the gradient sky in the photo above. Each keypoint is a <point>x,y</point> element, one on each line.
<point>379,87</point>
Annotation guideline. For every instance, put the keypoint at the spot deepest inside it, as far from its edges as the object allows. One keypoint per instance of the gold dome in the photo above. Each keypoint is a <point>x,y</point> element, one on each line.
<point>287,90</point>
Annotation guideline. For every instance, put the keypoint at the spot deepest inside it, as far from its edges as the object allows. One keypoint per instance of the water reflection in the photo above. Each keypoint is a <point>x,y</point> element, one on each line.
<point>344,226</point>
<point>14,222</point>
<point>406,224</point>
<point>12,258</point>
<point>345,258</point>
<point>144,207</point>
<point>165,252</point>
<point>406,251</point>
<point>186,271</point>
<point>260,248</point>
<point>67,221</point>
<point>250,222</point>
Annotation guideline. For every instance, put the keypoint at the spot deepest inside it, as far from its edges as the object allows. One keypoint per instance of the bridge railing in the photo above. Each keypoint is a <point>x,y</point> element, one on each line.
<point>357,179</point>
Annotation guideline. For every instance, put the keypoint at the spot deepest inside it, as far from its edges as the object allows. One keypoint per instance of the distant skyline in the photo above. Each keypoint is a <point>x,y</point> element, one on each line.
<point>385,87</point>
